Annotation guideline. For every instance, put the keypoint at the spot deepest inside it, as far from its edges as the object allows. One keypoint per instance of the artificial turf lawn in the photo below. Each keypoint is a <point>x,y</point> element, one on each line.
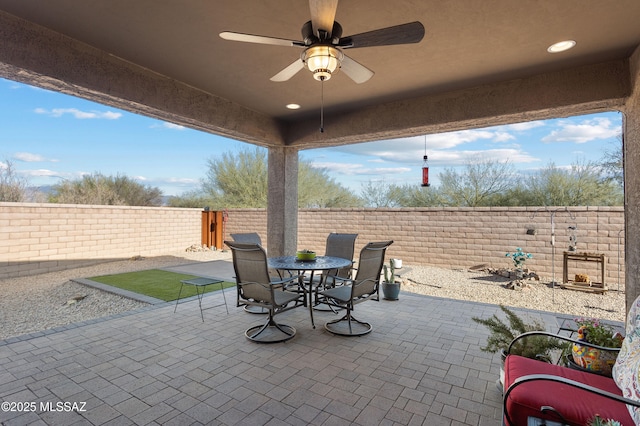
<point>163,285</point>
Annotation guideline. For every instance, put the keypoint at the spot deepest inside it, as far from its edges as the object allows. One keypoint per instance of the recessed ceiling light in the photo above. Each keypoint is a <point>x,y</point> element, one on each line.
<point>561,46</point>
<point>293,106</point>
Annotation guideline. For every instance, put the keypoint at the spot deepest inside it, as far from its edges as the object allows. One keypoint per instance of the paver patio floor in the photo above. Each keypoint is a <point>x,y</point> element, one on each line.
<point>422,364</point>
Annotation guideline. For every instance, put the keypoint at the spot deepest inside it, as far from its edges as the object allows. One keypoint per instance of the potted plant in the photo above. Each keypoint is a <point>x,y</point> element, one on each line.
<point>592,359</point>
<point>502,333</point>
<point>306,255</point>
<point>519,257</point>
<point>390,286</point>
<point>599,421</point>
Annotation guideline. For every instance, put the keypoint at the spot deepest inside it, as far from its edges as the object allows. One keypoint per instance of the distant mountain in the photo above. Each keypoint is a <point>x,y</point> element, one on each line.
<point>45,189</point>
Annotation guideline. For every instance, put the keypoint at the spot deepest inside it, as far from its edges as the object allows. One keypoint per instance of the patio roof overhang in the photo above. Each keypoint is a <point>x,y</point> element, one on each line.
<point>479,64</point>
<point>476,66</point>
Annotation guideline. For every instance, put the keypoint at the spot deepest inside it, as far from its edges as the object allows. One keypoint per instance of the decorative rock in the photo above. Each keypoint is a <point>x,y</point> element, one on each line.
<point>75,299</point>
<point>518,285</point>
<point>199,248</point>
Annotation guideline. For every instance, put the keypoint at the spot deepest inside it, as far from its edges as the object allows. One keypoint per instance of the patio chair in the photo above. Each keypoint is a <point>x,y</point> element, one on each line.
<point>338,245</point>
<point>364,286</point>
<point>256,288</point>
<point>251,238</point>
<point>247,237</point>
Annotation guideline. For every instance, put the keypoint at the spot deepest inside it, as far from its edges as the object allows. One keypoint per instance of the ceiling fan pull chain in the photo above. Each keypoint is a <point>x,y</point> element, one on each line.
<point>321,106</point>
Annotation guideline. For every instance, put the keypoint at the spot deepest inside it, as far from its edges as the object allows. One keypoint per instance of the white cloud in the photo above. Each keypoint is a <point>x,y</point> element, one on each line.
<point>183,181</point>
<point>457,158</point>
<point>81,115</point>
<point>520,127</point>
<point>503,137</point>
<point>44,173</point>
<point>167,125</point>
<point>173,126</point>
<point>340,168</point>
<point>582,132</point>
<point>168,181</point>
<point>453,139</point>
<point>410,150</point>
<point>358,169</point>
<point>28,157</point>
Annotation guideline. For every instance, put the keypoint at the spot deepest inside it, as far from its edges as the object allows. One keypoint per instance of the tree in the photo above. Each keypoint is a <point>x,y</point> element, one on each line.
<point>237,180</point>
<point>417,196</point>
<point>380,194</point>
<point>240,180</point>
<point>106,190</point>
<point>579,186</point>
<point>317,189</point>
<point>478,185</point>
<point>612,163</point>
<point>13,188</point>
<point>191,199</point>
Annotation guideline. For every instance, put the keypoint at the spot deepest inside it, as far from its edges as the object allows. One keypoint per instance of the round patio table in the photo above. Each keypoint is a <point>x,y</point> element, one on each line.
<point>321,263</point>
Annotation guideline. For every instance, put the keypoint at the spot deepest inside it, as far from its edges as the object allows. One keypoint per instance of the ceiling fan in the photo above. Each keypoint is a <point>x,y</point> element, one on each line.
<point>323,44</point>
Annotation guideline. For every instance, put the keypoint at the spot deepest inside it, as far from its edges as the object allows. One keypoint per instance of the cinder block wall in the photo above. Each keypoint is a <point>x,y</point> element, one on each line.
<point>465,237</point>
<point>37,238</point>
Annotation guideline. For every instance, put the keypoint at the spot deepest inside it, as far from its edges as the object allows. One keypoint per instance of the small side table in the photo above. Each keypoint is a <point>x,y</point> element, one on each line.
<point>202,283</point>
<point>594,287</point>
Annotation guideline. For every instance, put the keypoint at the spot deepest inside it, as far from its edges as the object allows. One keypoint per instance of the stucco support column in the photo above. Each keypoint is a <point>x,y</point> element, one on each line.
<point>631,151</point>
<point>282,203</point>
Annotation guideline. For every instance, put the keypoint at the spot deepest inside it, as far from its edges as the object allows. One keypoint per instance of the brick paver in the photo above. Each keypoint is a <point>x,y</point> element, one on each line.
<point>421,365</point>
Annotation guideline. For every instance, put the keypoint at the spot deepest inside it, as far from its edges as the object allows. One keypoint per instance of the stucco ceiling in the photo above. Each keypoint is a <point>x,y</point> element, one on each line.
<point>471,48</point>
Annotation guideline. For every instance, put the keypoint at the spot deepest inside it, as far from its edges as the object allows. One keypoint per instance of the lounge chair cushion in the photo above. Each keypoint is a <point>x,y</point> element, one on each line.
<point>576,405</point>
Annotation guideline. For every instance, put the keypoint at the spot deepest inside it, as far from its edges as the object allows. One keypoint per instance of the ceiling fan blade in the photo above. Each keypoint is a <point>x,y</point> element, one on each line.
<point>355,71</point>
<point>323,13</point>
<point>289,71</point>
<point>411,32</point>
<point>249,38</point>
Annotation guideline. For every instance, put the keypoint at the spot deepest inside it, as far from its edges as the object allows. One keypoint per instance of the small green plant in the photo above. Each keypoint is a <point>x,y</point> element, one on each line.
<point>599,421</point>
<point>519,257</point>
<point>502,333</point>
<point>389,272</point>
<point>593,331</point>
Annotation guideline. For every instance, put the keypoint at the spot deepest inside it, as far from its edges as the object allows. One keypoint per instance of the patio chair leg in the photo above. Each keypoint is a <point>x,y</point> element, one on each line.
<point>254,333</point>
<point>337,326</point>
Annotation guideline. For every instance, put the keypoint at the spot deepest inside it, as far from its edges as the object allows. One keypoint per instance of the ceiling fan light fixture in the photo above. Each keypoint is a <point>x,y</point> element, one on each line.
<point>561,46</point>
<point>322,61</point>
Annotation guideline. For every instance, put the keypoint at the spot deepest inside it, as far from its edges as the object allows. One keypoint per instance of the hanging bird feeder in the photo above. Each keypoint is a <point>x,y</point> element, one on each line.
<point>425,171</point>
<point>425,165</point>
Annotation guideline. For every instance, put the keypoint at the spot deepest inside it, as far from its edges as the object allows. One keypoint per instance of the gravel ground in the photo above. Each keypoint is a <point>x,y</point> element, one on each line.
<point>539,295</point>
<point>40,302</point>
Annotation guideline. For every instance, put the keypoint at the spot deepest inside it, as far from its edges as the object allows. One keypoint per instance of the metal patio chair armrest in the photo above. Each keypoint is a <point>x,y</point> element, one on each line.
<point>344,280</point>
<point>284,281</point>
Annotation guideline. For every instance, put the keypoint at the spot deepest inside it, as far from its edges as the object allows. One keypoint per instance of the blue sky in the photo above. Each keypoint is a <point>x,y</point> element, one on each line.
<point>49,137</point>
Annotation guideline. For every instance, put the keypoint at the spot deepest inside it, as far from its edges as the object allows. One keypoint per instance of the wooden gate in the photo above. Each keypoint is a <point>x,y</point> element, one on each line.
<point>212,228</point>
